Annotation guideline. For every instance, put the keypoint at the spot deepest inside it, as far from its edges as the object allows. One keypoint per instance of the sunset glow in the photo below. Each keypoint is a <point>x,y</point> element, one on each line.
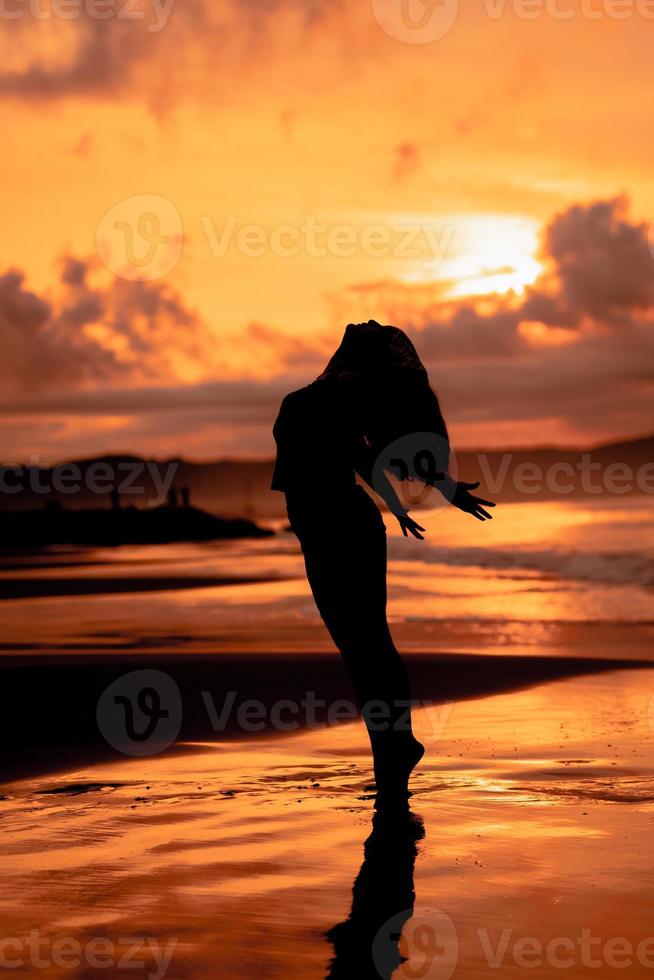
<point>274,173</point>
<point>496,254</point>
<point>326,550</point>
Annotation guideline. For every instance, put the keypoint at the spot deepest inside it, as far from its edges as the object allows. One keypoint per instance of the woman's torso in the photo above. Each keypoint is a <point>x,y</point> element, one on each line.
<point>319,436</point>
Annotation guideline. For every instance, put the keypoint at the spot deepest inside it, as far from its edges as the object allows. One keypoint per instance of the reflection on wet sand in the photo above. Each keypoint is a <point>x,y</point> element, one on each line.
<point>537,805</point>
<point>367,944</point>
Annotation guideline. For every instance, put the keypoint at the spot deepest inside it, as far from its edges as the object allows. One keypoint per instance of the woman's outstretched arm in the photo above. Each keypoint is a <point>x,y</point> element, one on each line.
<point>458,494</point>
<point>383,486</point>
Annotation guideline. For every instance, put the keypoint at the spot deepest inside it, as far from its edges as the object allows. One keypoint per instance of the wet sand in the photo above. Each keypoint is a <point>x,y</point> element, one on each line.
<point>238,859</point>
<point>50,720</point>
<point>40,588</point>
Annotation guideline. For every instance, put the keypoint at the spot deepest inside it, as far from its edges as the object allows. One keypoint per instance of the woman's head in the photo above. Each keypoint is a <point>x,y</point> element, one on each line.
<point>371,350</point>
<point>399,399</point>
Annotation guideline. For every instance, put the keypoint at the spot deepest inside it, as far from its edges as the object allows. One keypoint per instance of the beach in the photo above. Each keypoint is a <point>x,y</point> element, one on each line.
<point>239,859</point>
<point>278,275</point>
<point>247,843</point>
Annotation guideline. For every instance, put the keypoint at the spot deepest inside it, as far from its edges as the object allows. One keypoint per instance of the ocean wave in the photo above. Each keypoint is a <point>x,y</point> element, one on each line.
<point>621,568</point>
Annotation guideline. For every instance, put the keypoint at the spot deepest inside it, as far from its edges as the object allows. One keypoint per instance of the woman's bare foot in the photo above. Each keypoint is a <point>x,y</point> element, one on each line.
<point>393,768</point>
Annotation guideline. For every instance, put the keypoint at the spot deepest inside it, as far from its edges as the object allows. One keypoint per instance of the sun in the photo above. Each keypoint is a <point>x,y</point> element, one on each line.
<point>483,254</point>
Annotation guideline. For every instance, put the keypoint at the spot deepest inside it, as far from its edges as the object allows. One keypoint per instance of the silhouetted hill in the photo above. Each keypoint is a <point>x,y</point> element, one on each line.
<point>241,487</point>
<point>158,525</point>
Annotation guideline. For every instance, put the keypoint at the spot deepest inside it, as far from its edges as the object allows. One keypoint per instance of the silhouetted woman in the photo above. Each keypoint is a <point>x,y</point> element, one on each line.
<point>373,391</point>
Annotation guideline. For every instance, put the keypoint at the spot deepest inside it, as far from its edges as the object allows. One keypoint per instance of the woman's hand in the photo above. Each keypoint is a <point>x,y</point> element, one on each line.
<point>464,500</point>
<point>409,525</point>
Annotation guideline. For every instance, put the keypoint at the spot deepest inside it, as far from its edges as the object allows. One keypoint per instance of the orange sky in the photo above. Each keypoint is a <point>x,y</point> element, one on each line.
<point>291,166</point>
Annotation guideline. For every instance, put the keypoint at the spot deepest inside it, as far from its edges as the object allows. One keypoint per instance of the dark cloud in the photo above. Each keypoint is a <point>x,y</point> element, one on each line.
<point>576,350</point>
<point>150,47</point>
<point>242,400</point>
<point>599,272</point>
<point>589,363</point>
<point>101,60</point>
<point>603,262</point>
<point>80,334</point>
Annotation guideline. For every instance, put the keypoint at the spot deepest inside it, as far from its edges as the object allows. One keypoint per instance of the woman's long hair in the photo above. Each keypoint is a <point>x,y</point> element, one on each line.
<point>400,400</point>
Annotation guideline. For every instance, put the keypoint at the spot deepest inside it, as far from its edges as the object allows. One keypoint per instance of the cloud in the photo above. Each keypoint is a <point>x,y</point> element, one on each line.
<point>95,51</point>
<point>574,354</point>
<point>577,347</point>
<point>83,334</point>
<point>603,262</point>
<point>599,273</point>
<point>96,346</point>
<point>93,55</point>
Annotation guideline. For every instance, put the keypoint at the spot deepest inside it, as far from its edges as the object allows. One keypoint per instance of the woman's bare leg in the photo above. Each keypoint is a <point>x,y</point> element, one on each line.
<point>346,568</point>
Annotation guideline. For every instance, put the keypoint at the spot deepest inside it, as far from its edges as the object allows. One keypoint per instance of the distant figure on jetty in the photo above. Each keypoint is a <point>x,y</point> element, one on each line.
<point>374,390</point>
<point>115,498</point>
<point>172,497</point>
<point>186,496</point>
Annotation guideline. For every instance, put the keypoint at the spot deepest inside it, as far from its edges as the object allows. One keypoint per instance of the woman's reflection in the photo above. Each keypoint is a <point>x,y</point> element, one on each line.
<point>366,945</point>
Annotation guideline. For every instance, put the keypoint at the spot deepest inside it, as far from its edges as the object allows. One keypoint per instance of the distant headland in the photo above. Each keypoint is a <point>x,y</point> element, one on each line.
<point>240,488</point>
<point>54,524</point>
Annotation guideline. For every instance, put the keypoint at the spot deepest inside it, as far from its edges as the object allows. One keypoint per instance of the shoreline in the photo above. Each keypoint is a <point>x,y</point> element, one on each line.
<point>52,724</point>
